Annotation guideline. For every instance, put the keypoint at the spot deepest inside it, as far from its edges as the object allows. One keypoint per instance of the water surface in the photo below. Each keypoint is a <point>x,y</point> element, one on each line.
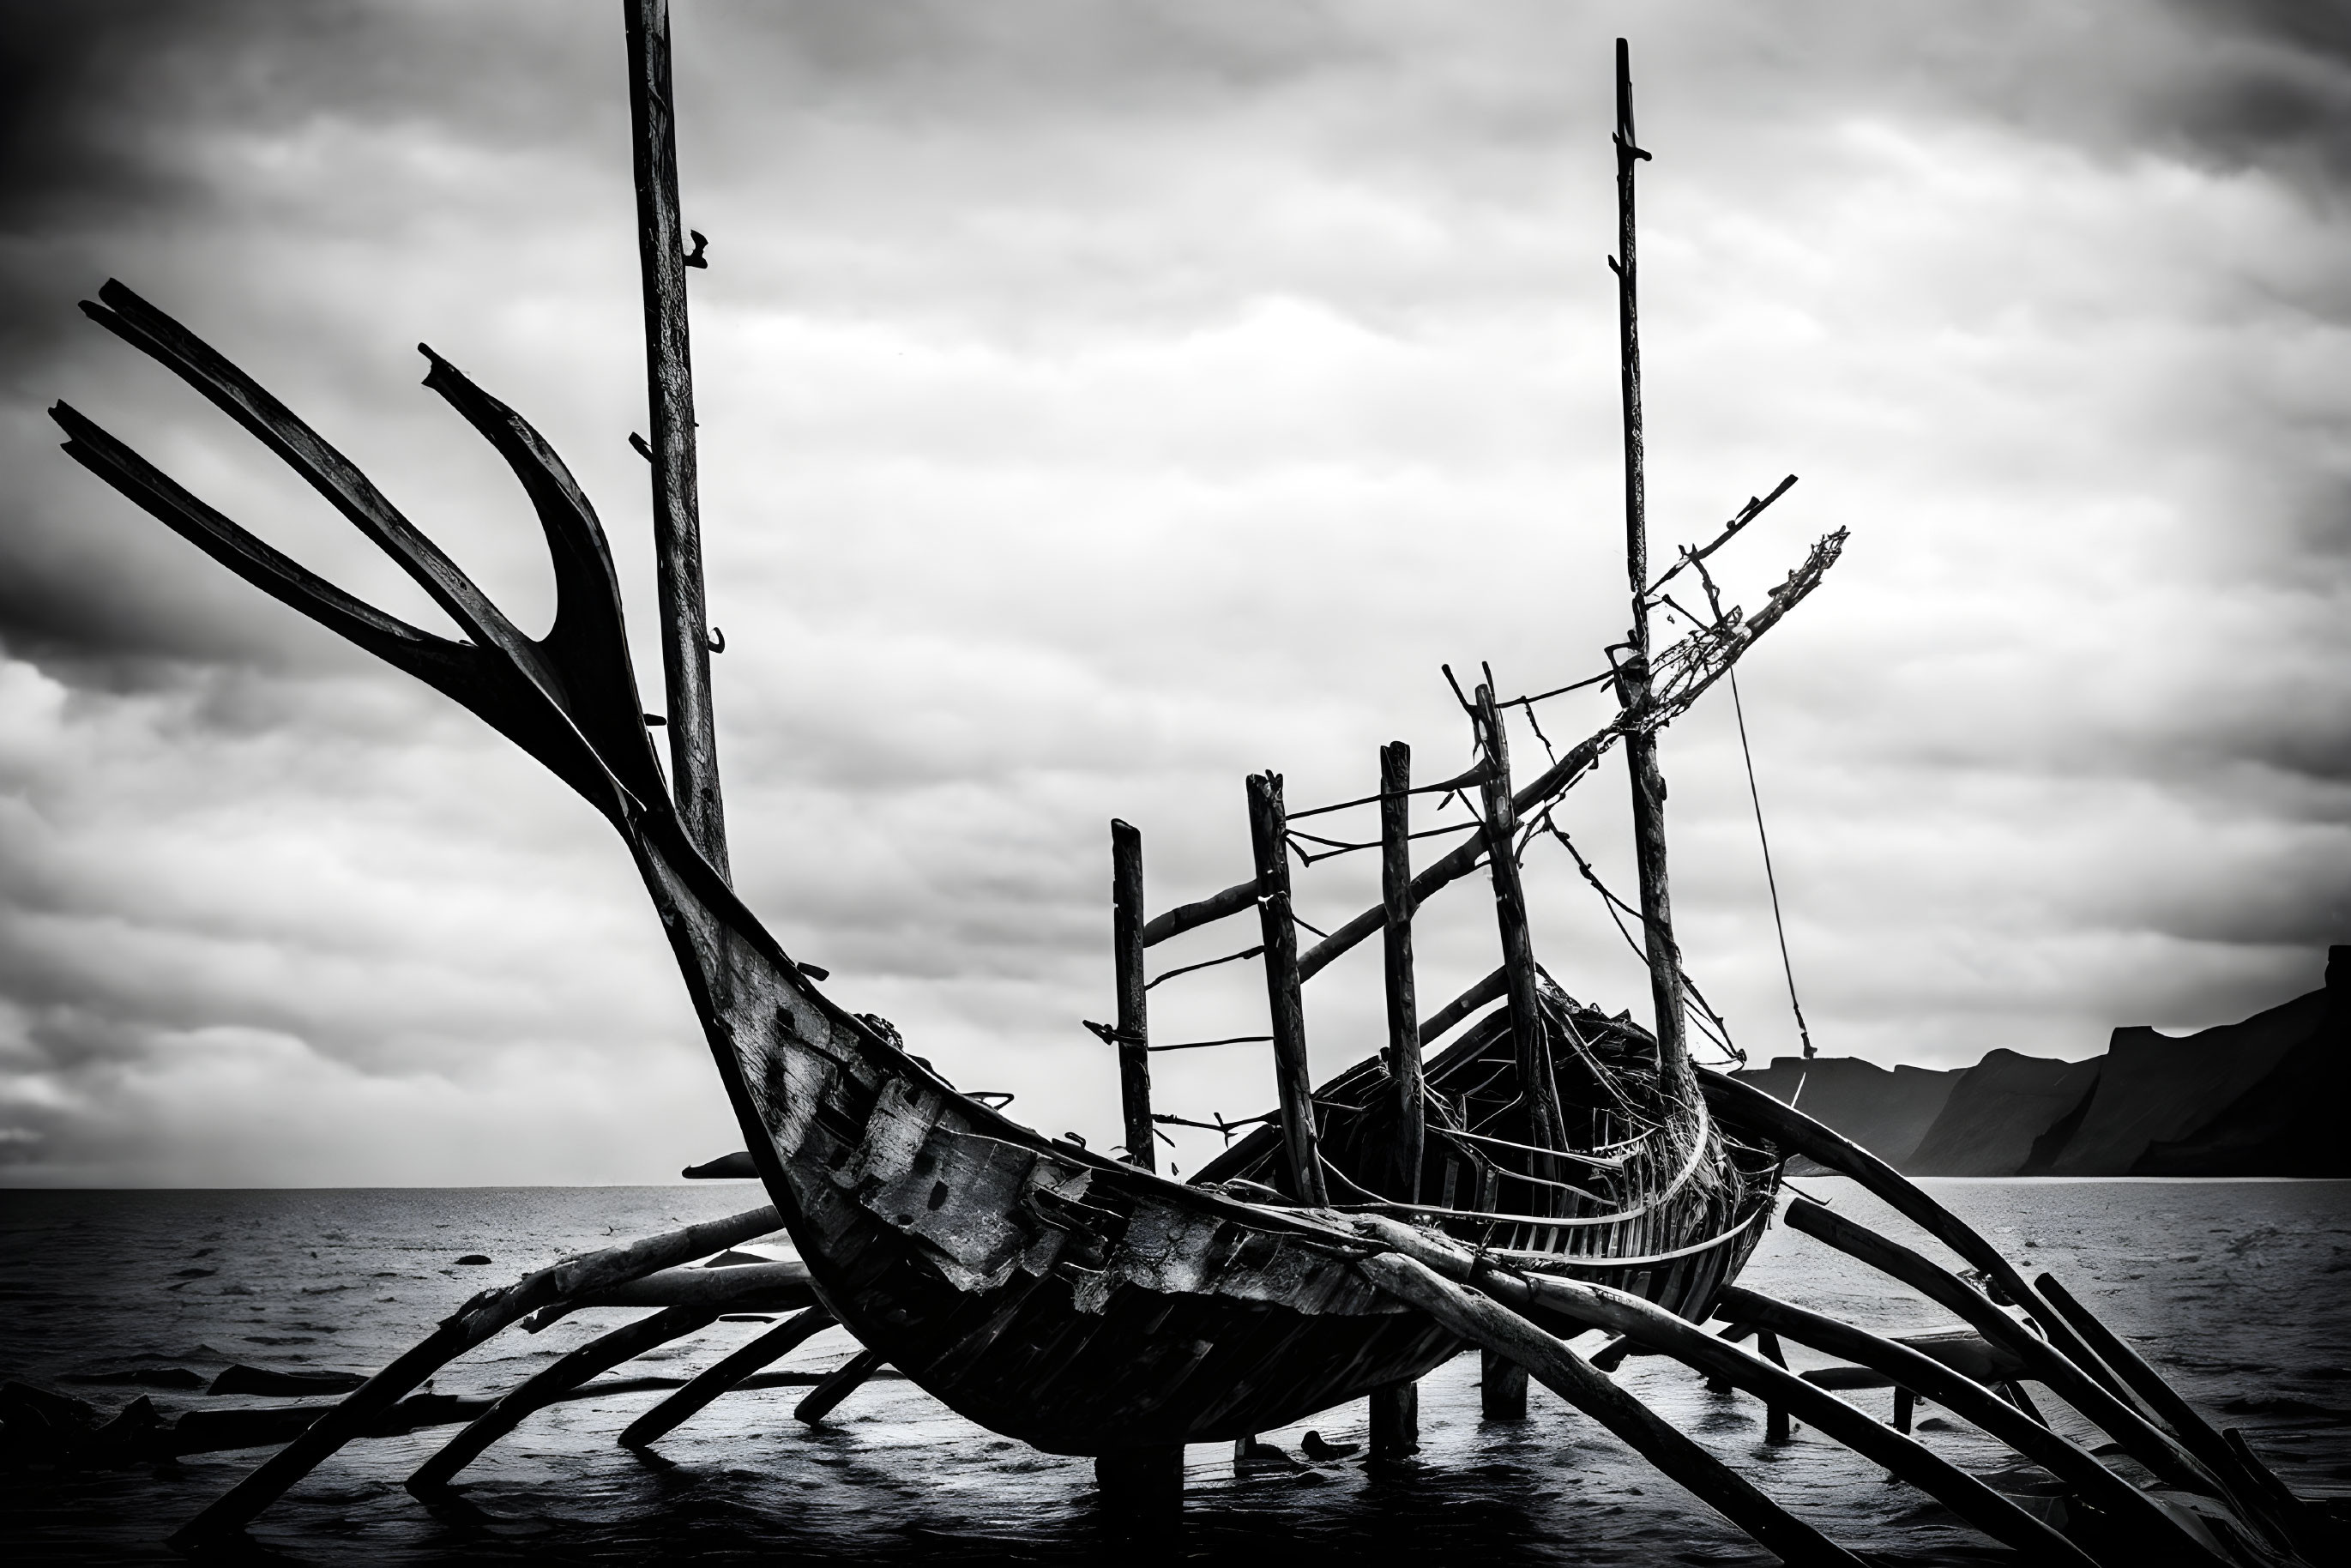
<point>2238,1290</point>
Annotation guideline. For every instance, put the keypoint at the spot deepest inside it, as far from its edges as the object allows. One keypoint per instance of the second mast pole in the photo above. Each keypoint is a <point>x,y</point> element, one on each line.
<point>669,377</point>
<point>1641,746</point>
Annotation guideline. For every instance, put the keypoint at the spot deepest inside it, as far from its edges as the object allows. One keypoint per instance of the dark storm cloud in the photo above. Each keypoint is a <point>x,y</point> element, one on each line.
<point>2274,90</point>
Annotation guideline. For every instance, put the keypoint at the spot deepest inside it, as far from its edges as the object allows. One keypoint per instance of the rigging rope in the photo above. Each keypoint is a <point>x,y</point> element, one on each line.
<point>1771,880</point>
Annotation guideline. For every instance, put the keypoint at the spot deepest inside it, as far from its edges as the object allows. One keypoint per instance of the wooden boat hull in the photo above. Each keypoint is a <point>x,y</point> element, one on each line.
<point>1044,1292</point>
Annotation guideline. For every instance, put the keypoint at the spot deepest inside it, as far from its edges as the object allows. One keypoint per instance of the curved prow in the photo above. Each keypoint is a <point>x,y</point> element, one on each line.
<point>570,698</point>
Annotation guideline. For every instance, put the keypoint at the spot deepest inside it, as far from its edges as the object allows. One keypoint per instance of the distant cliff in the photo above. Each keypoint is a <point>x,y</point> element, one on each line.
<point>2265,1097</point>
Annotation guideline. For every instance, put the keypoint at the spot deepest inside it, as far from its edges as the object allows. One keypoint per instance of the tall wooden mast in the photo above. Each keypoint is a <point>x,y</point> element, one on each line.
<point>1641,747</point>
<point>669,380</point>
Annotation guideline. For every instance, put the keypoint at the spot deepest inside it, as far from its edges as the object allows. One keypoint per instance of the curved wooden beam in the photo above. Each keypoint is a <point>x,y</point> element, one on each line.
<point>1486,1322</point>
<point>542,1389</point>
<point>724,1374</point>
<point>468,1326</point>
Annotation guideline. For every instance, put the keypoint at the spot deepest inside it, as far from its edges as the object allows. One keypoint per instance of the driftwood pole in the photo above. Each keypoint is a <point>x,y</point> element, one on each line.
<point>1269,840</point>
<point>1127,922</point>
<point>669,381</point>
<point>1518,942</point>
<point>1403,1006</point>
<point>1396,1411</point>
<point>1641,745</point>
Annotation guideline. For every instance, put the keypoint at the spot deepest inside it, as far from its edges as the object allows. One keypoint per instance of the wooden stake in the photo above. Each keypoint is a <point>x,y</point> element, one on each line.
<point>669,379</point>
<point>1268,840</point>
<point>1134,1017</point>
<point>1139,1484</point>
<point>1395,1422</point>
<point>1641,745</point>
<point>1404,1007</point>
<point>1518,944</point>
<point>1501,1387</point>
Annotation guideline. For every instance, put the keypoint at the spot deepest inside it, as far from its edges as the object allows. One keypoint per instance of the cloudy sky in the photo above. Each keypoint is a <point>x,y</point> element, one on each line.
<point>1101,401</point>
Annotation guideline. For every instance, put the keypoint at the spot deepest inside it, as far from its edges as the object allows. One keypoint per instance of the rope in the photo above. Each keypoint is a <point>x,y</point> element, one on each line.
<point>1204,964</point>
<point>1770,880</point>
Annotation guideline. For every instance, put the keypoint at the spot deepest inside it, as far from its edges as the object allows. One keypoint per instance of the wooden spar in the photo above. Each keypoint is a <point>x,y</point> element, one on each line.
<point>724,1374</point>
<point>1404,1007</point>
<point>600,1354</point>
<point>1749,1108</point>
<point>1586,1305</point>
<point>2133,1511</point>
<point>1487,1324</point>
<point>1632,675</point>
<point>1535,1079</point>
<point>1134,1016</point>
<point>1270,842</point>
<point>669,382</point>
<point>2151,1447</point>
<point>472,1323</point>
<point>2253,1485</point>
<point>838,1386</point>
<point>1721,651</point>
<point>1436,1025</point>
<point>1201,912</point>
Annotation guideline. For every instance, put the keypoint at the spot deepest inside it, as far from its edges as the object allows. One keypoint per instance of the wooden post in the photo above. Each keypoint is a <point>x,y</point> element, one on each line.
<point>1641,745</point>
<point>1404,1007</point>
<point>1518,943</point>
<point>669,377</point>
<point>1395,1422</point>
<point>1134,1018</point>
<point>1141,1484</point>
<point>1270,842</point>
<point>1777,1427</point>
<point>1501,1387</point>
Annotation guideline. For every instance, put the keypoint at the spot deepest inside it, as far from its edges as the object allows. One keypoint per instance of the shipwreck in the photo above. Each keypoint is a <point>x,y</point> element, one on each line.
<point>1554,1170</point>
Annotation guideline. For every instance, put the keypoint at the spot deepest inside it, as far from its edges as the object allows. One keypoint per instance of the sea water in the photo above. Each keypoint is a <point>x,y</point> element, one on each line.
<point>2239,1291</point>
